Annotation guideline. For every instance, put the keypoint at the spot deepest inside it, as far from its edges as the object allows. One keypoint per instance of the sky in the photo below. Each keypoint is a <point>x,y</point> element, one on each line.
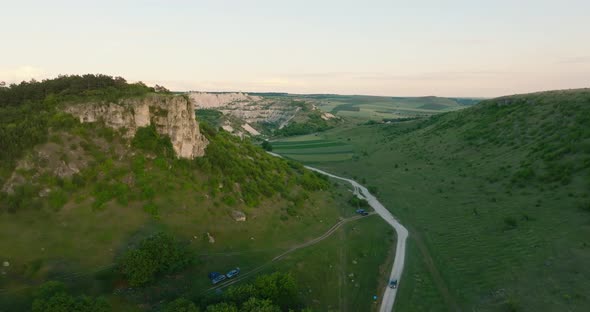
<point>397,48</point>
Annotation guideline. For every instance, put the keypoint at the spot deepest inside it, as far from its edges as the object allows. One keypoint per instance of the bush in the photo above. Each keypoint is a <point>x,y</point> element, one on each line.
<point>53,297</point>
<point>510,222</point>
<point>181,305</point>
<point>267,146</point>
<point>148,139</point>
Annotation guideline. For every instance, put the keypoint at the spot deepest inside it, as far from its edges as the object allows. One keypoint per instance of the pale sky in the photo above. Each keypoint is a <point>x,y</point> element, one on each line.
<point>398,48</point>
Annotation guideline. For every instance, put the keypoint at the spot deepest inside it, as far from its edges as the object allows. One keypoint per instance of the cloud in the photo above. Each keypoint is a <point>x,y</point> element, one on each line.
<point>18,74</point>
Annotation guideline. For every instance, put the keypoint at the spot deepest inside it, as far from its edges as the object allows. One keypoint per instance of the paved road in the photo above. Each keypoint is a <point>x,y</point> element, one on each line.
<point>402,234</point>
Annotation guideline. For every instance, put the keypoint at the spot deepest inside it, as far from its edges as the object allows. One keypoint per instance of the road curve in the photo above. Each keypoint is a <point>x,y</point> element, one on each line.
<point>402,234</point>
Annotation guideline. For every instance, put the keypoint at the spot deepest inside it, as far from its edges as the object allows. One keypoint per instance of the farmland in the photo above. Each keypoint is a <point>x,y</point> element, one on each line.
<point>381,107</point>
<point>311,149</point>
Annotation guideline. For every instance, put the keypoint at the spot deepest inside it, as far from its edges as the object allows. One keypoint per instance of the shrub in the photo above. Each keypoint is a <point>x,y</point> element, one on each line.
<point>148,139</point>
<point>53,297</point>
<point>181,305</point>
<point>510,222</point>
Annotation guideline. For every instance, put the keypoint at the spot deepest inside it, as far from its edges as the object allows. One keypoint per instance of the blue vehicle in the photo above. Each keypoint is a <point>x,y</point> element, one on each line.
<point>218,279</point>
<point>362,212</point>
<point>233,273</point>
<point>213,275</point>
<point>393,283</point>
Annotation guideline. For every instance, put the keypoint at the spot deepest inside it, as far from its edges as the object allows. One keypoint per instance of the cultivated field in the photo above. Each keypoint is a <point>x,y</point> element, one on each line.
<point>379,107</point>
<point>311,149</point>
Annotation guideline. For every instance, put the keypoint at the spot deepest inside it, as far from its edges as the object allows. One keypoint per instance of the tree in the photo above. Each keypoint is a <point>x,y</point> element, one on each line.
<point>259,305</point>
<point>139,267</point>
<point>222,307</point>
<point>181,305</point>
<point>240,293</point>
<point>161,89</point>
<point>159,253</point>
<point>278,287</point>
<point>53,297</point>
<point>267,146</point>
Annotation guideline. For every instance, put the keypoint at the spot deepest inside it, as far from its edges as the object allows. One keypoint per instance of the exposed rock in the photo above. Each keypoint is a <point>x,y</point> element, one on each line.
<point>213,100</point>
<point>250,130</point>
<point>211,238</point>
<point>238,215</point>
<point>327,116</point>
<point>172,116</point>
<point>251,109</point>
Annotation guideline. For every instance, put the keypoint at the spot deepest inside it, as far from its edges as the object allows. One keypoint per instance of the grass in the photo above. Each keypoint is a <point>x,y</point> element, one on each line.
<point>310,149</point>
<point>496,232</point>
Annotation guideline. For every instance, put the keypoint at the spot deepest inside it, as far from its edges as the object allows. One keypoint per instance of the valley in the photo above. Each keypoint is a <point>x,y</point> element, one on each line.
<point>476,186</point>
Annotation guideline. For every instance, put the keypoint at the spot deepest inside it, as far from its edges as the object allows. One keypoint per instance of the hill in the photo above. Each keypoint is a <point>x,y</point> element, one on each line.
<point>495,197</point>
<point>116,191</point>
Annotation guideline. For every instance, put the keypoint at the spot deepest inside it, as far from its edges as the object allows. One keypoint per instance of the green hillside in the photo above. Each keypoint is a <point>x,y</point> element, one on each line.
<point>137,228</point>
<point>496,198</point>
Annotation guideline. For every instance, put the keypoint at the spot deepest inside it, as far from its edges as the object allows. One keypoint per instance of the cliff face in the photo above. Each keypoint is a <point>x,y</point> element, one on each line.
<point>171,115</point>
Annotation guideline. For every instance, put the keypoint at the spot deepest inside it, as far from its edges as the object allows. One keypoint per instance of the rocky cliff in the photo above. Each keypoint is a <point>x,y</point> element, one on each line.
<point>171,115</point>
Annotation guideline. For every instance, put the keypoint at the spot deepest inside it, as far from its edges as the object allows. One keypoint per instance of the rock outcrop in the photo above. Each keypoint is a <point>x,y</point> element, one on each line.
<point>215,100</point>
<point>171,115</point>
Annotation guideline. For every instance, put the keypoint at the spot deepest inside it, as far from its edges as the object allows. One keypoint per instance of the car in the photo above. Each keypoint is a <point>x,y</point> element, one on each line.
<point>393,284</point>
<point>362,212</point>
<point>213,275</point>
<point>233,273</point>
<point>218,279</point>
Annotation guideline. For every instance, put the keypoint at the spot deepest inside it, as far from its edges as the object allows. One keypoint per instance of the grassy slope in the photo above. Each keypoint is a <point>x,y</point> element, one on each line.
<point>497,195</point>
<point>77,241</point>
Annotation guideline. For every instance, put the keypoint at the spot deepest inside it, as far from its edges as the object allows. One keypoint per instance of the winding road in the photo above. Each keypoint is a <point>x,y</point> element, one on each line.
<point>402,234</point>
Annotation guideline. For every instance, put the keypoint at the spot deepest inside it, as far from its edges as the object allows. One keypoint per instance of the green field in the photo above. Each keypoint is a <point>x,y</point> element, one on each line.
<point>495,197</point>
<point>310,149</point>
<point>381,107</point>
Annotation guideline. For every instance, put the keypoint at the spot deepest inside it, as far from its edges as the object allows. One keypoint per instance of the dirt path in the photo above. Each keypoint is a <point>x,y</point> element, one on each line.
<point>314,241</point>
<point>402,234</point>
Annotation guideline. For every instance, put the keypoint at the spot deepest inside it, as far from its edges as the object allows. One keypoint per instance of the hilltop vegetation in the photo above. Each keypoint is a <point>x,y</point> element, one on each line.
<point>495,197</point>
<point>29,109</point>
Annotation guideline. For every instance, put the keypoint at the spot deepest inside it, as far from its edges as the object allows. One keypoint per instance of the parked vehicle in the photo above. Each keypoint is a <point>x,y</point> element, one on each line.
<point>393,283</point>
<point>362,212</point>
<point>233,273</point>
<point>213,275</point>
<point>218,279</point>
